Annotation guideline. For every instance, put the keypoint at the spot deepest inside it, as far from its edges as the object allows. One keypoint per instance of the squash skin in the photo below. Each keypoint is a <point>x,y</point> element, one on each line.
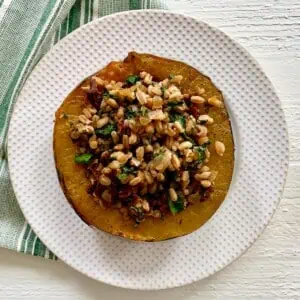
<point>74,182</point>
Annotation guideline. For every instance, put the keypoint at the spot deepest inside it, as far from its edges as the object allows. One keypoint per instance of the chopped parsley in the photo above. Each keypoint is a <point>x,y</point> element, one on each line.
<point>132,79</point>
<point>171,76</point>
<point>163,89</point>
<point>201,153</point>
<point>128,170</point>
<point>125,172</point>
<point>130,114</point>
<point>83,158</point>
<point>106,94</point>
<point>106,130</point>
<point>184,134</point>
<point>173,104</point>
<point>144,111</point>
<point>122,176</point>
<point>176,206</point>
<point>177,117</point>
<point>160,152</point>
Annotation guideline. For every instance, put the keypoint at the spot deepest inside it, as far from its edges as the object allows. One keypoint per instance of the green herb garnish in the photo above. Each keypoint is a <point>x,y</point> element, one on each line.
<point>106,94</point>
<point>83,158</point>
<point>171,76</point>
<point>201,153</point>
<point>132,79</point>
<point>160,152</point>
<point>186,137</point>
<point>130,114</point>
<point>144,111</point>
<point>176,206</point>
<point>128,170</point>
<point>163,89</point>
<point>125,171</point>
<point>122,176</point>
<point>174,104</point>
<point>106,130</point>
<point>177,117</point>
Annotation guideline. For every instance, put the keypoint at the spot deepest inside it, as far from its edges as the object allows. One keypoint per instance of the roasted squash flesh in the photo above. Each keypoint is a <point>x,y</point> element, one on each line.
<point>75,183</point>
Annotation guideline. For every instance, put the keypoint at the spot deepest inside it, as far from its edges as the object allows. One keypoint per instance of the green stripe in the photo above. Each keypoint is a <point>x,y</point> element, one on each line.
<point>27,230</point>
<point>51,256</point>
<point>86,11</point>
<point>9,94</point>
<point>134,4</point>
<point>91,9</point>
<point>74,18</point>
<point>29,244</point>
<point>56,38</point>
<point>63,28</point>
<point>27,67</point>
<point>39,248</point>
<point>1,2</point>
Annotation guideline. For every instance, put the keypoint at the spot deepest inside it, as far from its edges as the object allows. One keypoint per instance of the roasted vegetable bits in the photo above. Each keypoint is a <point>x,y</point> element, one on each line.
<point>144,144</point>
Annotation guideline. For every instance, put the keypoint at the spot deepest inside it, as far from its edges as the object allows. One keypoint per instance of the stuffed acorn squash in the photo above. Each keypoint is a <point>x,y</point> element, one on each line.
<point>144,148</point>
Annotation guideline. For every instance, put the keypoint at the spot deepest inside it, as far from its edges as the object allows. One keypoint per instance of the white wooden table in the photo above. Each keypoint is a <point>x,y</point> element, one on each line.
<point>270,30</point>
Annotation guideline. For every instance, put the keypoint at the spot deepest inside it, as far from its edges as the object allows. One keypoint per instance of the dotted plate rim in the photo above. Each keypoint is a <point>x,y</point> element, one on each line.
<point>207,233</point>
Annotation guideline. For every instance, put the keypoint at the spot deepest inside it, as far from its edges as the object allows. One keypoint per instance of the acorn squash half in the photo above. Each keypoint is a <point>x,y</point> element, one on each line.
<point>75,184</point>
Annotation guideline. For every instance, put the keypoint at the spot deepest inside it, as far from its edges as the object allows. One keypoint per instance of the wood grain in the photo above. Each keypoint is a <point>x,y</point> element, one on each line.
<point>270,31</point>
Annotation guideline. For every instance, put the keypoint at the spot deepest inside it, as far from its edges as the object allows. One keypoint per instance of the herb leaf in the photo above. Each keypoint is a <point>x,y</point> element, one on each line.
<point>106,94</point>
<point>122,176</point>
<point>173,104</point>
<point>128,170</point>
<point>144,111</point>
<point>125,172</point>
<point>106,130</point>
<point>201,153</point>
<point>186,137</point>
<point>177,117</point>
<point>176,206</point>
<point>132,79</point>
<point>160,152</point>
<point>130,114</point>
<point>83,158</point>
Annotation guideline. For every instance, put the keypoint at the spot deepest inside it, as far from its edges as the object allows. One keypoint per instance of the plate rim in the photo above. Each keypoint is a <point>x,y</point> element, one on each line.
<point>198,21</point>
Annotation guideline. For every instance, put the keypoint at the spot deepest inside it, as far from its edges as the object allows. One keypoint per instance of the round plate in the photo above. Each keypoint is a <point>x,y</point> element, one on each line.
<point>261,156</point>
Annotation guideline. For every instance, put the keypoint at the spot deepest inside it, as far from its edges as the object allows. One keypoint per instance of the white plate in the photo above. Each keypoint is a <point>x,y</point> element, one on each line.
<point>260,137</point>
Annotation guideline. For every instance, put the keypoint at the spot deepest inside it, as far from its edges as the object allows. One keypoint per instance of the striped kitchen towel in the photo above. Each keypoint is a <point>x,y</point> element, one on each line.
<point>28,29</point>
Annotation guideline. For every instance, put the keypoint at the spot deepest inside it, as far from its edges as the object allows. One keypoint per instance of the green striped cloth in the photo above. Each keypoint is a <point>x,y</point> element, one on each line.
<point>28,29</point>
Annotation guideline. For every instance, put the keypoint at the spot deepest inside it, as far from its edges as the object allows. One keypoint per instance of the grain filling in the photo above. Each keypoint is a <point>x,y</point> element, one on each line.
<point>144,145</point>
